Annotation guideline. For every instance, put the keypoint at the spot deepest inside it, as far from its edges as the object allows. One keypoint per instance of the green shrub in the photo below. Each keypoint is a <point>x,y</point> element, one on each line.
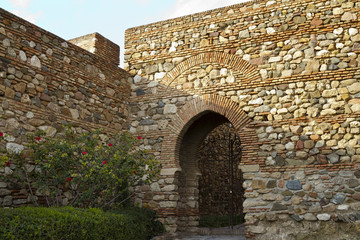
<point>147,217</point>
<point>73,223</point>
<point>94,170</point>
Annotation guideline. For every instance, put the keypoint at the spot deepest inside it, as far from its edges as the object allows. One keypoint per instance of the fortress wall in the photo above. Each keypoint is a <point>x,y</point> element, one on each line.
<point>46,81</point>
<point>293,68</point>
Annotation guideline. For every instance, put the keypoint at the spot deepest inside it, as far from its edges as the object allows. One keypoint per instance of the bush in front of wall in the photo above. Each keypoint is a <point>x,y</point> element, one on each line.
<point>81,170</point>
<point>74,223</point>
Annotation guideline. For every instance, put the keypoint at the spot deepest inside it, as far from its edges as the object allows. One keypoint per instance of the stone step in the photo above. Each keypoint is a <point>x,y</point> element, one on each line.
<point>235,230</point>
<point>214,237</point>
<point>225,233</point>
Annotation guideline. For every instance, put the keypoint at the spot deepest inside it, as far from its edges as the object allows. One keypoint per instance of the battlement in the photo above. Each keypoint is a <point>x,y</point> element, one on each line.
<point>99,45</point>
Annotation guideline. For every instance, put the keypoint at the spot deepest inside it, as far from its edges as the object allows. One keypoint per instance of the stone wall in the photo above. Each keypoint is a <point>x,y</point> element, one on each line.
<point>99,45</point>
<point>45,82</point>
<point>286,74</point>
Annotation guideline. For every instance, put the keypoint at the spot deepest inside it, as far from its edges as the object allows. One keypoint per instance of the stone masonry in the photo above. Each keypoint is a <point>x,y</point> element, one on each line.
<point>46,82</point>
<point>285,73</point>
<point>100,46</point>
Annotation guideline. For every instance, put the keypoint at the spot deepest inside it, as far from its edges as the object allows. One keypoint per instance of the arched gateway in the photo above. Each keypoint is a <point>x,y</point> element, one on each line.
<point>298,81</point>
<point>293,66</point>
<point>189,127</point>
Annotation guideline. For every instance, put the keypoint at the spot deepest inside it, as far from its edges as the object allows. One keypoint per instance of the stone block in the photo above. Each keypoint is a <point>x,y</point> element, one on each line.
<point>333,158</point>
<point>323,217</point>
<point>268,197</point>
<point>271,184</point>
<point>280,161</point>
<point>339,198</point>
<point>4,192</point>
<point>170,109</point>
<point>279,207</point>
<point>296,129</point>
<point>309,144</point>
<point>296,217</point>
<point>271,217</point>
<point>249,168</point>
<point>14,148</point>
<point>348,16</point>
<point>310,217</point>
<point>329,93</point>
<point>248,203</point>
<point>35,61</point>
<point>294,185</point>
<point>168,204</point>
<point>49,130</point>
<point>169,171</point>
<point>155,187</point>
<point>169,188</point>
<point>244,34</point>
<point>258,184</point>
<point>7,201</point>
<point>356,196</point>
<point>256,229</point>
<point>354,88</point>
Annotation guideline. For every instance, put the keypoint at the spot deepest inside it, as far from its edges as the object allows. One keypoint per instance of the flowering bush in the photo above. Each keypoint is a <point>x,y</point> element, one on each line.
<point>85,170</point>
<point>5,156</point>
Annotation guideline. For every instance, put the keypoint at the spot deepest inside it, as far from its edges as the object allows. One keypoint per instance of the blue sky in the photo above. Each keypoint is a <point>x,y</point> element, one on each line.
<point>73,18</point>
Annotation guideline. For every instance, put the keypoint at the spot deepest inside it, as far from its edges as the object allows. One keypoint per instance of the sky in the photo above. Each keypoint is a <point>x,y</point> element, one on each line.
<point>74,18</point>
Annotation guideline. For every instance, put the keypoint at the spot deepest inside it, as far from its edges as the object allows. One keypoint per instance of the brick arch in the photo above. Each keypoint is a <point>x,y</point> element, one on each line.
<point>235,62</point>
<point>209,102</point>
<point>187,129</point>
<point>186,116</point>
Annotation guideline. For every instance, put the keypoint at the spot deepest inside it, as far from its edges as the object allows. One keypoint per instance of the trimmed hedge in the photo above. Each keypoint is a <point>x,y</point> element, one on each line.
<point>73,223</point>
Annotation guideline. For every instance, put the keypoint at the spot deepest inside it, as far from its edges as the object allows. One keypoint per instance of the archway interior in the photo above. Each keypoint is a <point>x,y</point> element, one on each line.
<point>190,175</point>
<point>220,185</point>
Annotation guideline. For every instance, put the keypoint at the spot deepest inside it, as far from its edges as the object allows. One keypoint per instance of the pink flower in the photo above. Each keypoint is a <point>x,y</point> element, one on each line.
<point>104,162</point>
<point>7,164</point>
<point>109,144</point>
<point>138,137</point>
<point>38,139</point>
<point>134,172</point>
<point>84,153</point>
<point>69,179</point>
<point>1,134</point>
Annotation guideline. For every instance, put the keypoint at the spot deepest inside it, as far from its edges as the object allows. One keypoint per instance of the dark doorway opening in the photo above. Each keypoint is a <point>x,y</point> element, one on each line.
<point>221,193</point>
<point>191,180</point>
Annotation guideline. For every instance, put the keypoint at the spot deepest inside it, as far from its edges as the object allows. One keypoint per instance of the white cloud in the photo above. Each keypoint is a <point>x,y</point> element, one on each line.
<point>185,7</point>
<point>21,10</point>
<point>31,17</point>
<point>20,3</point>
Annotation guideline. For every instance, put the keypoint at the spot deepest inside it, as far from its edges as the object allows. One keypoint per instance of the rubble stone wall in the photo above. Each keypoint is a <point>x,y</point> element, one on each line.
<point>286,74</point>
<point>45,82</point>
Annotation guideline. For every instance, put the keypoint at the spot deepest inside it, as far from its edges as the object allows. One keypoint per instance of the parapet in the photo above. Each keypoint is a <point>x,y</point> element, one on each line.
<point>99,45</point>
